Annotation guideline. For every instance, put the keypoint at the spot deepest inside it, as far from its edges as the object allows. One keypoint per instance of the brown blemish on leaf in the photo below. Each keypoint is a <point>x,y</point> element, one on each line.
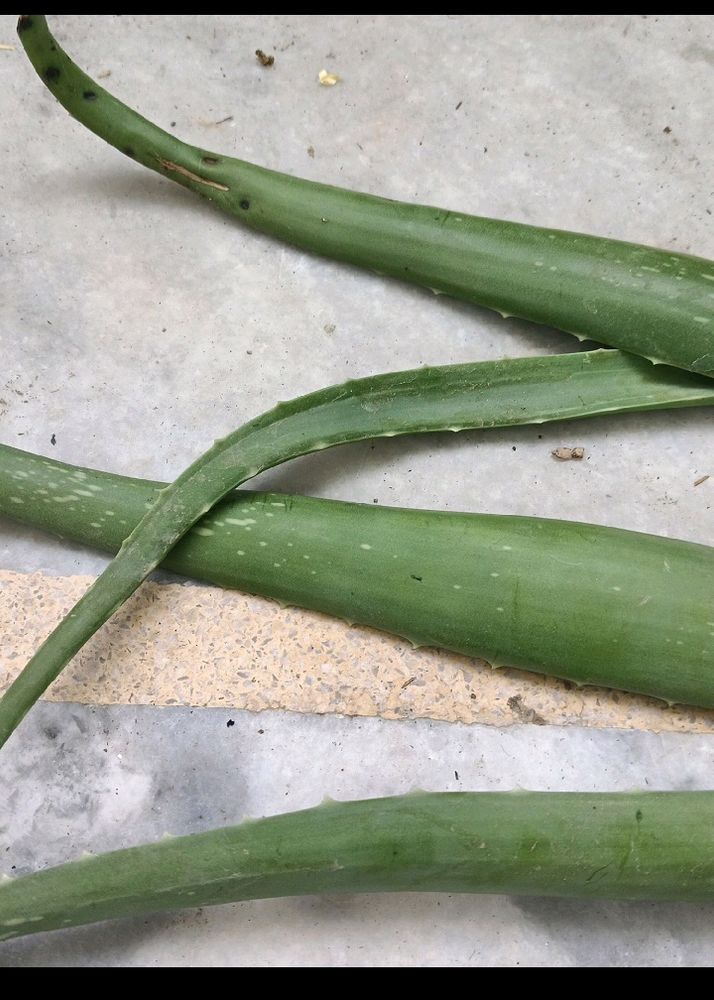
<point>176,168</point>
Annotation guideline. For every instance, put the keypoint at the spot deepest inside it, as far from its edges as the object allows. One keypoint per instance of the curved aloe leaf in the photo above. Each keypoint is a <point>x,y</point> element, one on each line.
<point>636,846</point>
<point>488,586</point>
<point>404,402</point>
<point>654,303</point>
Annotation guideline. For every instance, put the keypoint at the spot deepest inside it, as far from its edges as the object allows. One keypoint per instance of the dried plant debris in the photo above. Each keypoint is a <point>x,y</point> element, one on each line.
<point>569,454</point>
<point>528,716</point>
<point>207,123</point>
<point>264,59</point>
<point>702,480</point>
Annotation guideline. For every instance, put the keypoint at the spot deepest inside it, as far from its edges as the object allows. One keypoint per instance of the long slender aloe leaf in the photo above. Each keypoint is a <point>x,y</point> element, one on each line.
<point>639,608</point>
<point>636,846</point>
<point>386,405</point>
<point>654,303</point>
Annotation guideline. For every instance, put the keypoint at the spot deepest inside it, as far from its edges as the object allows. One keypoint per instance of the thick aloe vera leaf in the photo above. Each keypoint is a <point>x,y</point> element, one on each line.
<point>654,303</point>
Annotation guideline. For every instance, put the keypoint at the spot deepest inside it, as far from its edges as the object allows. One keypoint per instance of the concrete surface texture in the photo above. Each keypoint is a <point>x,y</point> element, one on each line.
<point>138,324</point>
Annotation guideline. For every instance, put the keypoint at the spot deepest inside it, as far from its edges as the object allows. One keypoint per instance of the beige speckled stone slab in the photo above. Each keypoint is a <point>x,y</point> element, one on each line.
<point>206,647</point>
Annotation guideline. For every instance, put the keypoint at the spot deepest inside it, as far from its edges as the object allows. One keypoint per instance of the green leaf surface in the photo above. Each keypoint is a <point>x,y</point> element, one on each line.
<point>654,303</point>
<point>613,577</point>
<point>653,846</point>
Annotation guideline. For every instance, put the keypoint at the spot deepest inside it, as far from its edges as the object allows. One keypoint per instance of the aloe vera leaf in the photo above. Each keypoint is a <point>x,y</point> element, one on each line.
<point>654,303</point>
<point>639,610</point>
<point>429,399</point>
<point>619,846</point>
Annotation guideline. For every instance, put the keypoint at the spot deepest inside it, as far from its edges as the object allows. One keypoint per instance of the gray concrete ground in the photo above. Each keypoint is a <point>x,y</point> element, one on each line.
<point>138,325</point>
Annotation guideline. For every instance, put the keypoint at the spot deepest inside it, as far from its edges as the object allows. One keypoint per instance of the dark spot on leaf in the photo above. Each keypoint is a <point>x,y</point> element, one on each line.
<point>211,161</point>
<point>638,815</point>
<point>89,95</point>
<point>52,74</point>
<point>417,578</point>
<point>129,151</point>
<point>25,23</point>
<point>245,204</point>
